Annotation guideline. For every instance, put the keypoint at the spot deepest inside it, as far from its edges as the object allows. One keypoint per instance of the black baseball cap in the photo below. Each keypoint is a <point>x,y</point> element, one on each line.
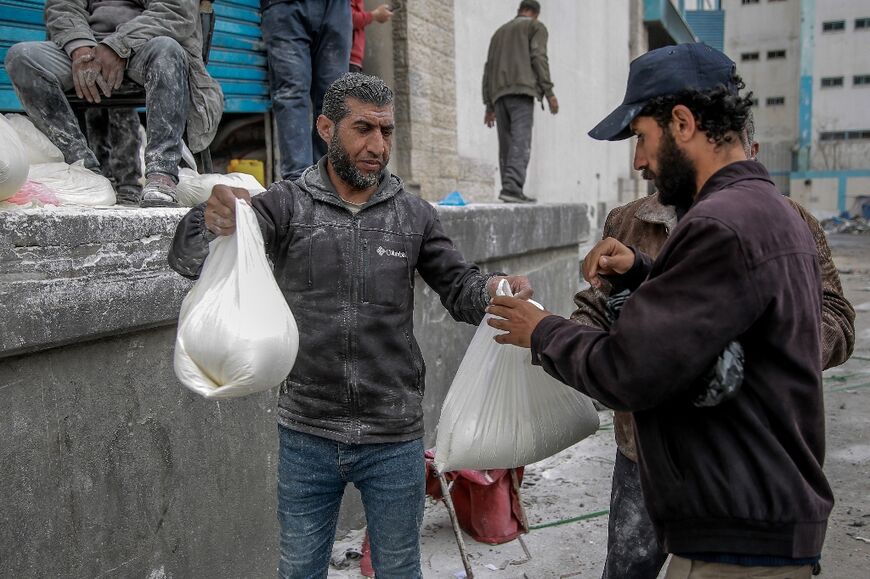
<point>665,71</point>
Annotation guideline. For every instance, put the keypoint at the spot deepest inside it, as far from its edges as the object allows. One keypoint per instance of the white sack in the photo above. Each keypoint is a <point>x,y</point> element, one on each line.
<point>13,160</point>
<point>236,334</point>
<point>38,147</point>
<point>73,184</point>
<point>194,189</point>
<point>503,412</point>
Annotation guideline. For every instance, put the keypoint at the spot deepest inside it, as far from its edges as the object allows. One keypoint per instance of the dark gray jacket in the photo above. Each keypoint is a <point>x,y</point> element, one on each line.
<point>349,280</point>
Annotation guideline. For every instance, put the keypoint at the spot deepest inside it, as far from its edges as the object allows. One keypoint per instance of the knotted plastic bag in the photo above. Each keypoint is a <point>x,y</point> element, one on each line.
<point>503,412</point>
<point>236,333</point>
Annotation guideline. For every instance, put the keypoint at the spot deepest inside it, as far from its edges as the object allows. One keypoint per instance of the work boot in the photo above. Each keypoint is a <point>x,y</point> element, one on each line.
<point>159,191</point>
<point>509,197</point>
<point>128,196</point>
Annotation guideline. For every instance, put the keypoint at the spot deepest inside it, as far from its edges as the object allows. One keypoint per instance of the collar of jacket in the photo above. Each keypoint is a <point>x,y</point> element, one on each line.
<point>731,174</point>
<point>315,180</point>
<point>653,211</point>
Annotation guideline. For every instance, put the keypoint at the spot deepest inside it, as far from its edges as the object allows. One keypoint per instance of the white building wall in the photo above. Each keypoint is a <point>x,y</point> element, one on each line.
<point>764,27</point>
<point>588,52</point>
<point>843,53</point>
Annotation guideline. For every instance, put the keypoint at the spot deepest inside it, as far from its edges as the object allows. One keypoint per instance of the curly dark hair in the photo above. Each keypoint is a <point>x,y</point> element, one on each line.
<point>719,111</point>
<point>368,89</point>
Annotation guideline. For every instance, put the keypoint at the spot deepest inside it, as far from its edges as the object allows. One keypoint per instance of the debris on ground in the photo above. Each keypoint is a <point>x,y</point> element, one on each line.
<point>853,225</point>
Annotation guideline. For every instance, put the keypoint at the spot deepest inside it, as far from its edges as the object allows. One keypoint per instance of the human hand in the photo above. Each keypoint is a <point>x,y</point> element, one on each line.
<point>111,66</point>
<point>519,284</point>
<point>220,210</point>
<point>521,317</point>
<point>382,13</point>
<point>489,119</point>
<point>608,257</point>
<point>554,104</point>
<point>85,73</point>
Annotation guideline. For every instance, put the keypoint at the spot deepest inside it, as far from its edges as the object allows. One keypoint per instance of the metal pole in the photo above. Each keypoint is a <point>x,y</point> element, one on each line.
<point>445,491</point>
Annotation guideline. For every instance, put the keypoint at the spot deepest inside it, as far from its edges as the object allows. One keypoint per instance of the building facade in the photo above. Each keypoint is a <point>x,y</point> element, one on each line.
<point>807,64</point>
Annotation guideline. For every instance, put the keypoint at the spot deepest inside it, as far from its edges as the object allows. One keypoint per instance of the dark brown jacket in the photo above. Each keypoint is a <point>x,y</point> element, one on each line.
<point>517,63</point>
<point>646,224</point>
<point>744,477</point>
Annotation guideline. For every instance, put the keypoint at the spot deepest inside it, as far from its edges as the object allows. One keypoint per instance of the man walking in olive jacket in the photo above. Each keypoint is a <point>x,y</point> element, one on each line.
<point>734,487</point>
<point>516,73</point>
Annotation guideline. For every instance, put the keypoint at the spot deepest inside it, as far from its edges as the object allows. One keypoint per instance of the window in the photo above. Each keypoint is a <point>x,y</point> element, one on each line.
<point>862,24</point>
<point>834,26</point>
<point>750,1</point>
<point>748,56</point>
<point>754,102</point>
<point>861,80</point>
<point>775,101</point>
<point>772,54</point>
<point>832,82</point>
<point>844,135</point>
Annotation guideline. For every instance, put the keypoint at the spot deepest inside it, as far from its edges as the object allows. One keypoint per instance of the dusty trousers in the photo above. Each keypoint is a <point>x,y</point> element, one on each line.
<point>514,115</point>
<point>113,135</point>
<point>42,74</point>
<point>632,548</point>
<point>681,568</point>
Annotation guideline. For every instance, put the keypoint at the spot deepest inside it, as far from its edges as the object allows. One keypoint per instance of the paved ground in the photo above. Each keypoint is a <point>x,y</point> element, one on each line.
<point>576,482</point>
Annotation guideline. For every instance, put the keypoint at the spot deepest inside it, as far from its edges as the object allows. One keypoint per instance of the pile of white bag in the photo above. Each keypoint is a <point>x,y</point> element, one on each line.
<point>13,160</point>
<point>194,188</point>
<point>236,333</point>
<point>503,412</point>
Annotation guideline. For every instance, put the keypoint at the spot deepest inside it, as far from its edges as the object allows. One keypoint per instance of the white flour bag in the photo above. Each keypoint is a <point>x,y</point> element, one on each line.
<point>236,333</point>
<point>503,412</point>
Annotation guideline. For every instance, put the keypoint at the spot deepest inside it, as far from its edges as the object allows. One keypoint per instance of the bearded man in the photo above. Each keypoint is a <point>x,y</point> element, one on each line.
<point>345,239</point>
<point>733,485</point>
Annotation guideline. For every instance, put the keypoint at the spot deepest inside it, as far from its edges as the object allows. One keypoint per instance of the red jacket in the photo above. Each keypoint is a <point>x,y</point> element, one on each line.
<point>361,19</point>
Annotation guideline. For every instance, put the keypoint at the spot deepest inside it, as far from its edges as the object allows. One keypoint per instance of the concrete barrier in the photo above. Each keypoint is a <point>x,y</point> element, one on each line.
<point>109,467</point>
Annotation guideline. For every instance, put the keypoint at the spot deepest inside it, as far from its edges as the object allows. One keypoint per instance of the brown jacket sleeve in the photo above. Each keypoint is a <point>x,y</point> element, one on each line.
<point>838,316</point>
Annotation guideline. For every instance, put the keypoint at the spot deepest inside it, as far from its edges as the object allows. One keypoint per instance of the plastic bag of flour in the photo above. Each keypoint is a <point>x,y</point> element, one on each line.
<point>236,334</point>
<point>503,412</point>
<point>38,147</point>
<point>194,188</point>
<point>13,160</point>
<point>73,184</point>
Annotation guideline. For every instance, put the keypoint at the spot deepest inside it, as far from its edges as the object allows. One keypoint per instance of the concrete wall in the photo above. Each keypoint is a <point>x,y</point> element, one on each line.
<point>761,28</point>
<point>111,468</point>
<point>589,55</point>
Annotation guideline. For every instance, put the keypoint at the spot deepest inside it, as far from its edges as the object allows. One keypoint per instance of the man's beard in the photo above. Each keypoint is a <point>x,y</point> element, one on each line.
<point>346,169</point>
<point>676,179</point>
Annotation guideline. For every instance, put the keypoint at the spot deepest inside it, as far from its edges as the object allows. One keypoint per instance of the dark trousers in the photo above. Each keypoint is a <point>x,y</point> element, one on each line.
<point>113,135</point>
<point>42,74</point>
<point>513,120</point>
<point>308,47</point>
<point>632,548</point>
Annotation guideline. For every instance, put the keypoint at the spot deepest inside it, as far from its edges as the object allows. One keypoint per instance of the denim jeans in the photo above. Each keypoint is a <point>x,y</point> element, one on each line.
<point>42,74</point>
<point>632,547</point>
<point>312,474</point>
<point>308,47</point>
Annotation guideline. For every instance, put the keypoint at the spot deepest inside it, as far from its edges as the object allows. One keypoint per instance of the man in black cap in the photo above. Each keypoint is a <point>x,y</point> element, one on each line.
<point>733,484</point>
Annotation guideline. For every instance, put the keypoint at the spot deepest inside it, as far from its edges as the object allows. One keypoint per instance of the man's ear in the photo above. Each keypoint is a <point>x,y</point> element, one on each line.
<point>325,128</point>
<point>683,124</point>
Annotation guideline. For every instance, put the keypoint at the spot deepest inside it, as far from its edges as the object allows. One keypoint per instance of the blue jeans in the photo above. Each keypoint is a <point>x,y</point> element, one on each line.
<point>312,474</point>
<point>308,47</point>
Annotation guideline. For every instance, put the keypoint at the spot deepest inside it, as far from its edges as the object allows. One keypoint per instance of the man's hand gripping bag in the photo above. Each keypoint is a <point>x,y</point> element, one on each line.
<point>236,333</point>
<point>503,412</point>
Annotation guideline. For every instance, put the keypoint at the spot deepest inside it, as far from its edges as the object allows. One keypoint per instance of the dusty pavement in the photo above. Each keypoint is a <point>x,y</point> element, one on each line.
<point>576,483</point>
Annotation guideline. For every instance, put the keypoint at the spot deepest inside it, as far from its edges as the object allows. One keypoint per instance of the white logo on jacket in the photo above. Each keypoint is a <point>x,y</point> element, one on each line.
<point>391,252</point>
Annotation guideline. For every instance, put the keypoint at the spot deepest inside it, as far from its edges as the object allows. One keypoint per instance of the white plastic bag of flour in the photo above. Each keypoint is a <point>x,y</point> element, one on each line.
<point>503,412</point>
<point>194,188</point>
<point>13,160</point>
<point>236,334</point>
<point>38,147</point>
<point>73,184</point>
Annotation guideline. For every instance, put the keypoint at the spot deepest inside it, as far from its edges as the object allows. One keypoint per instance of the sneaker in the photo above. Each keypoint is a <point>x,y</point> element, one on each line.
<point>128,197</point>
<point>159,191</point>
<point>515,198</point>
